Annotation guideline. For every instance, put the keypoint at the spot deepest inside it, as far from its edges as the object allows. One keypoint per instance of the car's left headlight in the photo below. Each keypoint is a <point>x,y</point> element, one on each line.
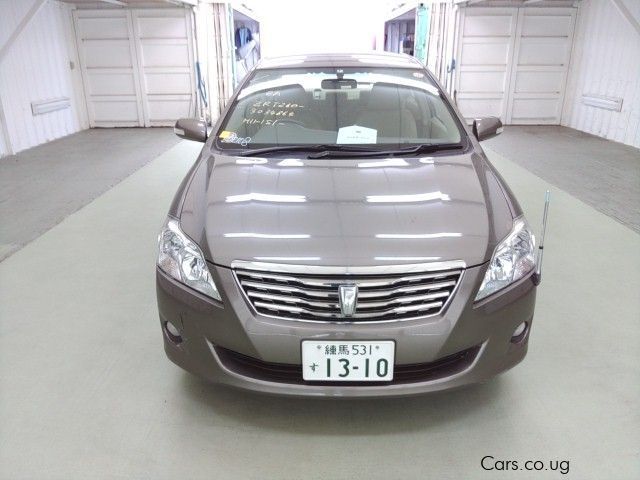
<point>512,259</point>
<point>181,258</point>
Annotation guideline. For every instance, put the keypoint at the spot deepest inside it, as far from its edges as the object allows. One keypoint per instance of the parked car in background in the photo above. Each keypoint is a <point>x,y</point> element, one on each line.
<point>342,233</point>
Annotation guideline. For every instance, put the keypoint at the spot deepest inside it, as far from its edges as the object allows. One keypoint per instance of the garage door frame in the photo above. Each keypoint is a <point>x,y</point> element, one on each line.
<point>503,47</point>
<point>560,69</point>
<point>104,106</point>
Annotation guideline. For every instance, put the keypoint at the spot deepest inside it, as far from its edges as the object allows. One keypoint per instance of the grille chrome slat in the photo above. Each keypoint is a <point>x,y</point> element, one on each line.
<point>282,298</point>
<point>408,289</point>
<point>317,282</point>
<point>364,304</point>
<point>300,310</point>
<point>334,292</point>
<point>288,289</point>
<point>313,297</point>
<point>413,298</point>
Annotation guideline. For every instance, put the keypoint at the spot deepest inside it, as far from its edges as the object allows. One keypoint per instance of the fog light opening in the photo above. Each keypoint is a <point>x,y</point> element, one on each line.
<point>520,332</point>
<point>172,332</point>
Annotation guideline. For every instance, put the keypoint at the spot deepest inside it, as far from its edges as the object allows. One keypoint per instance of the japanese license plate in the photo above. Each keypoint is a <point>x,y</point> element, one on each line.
<point>348,361</point>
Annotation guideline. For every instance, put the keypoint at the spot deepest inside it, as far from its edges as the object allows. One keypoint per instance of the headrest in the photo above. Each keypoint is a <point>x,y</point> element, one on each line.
<point>384,96</point>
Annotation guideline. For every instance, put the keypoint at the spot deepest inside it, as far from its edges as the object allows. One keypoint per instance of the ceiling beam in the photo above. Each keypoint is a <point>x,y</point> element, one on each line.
<point>624,11</point>
<point>193,3</point>
<point>120,3</point>
<point>35,8</point>
<point>5,132</point>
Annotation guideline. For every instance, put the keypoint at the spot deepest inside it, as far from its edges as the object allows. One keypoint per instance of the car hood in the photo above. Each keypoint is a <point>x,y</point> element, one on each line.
<point>346,212</point>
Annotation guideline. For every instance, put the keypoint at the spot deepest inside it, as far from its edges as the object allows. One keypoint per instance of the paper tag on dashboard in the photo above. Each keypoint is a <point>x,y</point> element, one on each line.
<point>357,134</point>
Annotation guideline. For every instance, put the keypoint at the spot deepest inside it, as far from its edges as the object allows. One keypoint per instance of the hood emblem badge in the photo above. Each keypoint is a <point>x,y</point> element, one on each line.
<point>348,296</point>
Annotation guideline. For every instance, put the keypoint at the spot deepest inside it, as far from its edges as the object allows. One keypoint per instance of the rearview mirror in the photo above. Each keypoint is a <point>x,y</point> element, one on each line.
<point>338,84</point>
<point>487,127</point>
<point>191,129</point>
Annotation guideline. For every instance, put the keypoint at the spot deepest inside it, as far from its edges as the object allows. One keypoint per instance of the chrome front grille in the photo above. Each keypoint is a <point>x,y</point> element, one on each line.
<point>314,297</point>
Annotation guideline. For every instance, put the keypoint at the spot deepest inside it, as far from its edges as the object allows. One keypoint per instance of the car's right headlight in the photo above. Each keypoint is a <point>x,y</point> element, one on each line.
<point>181,258</point>
<point>512,259</point>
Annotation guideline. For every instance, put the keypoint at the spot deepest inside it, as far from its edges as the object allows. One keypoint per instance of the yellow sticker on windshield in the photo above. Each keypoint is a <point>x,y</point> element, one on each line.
<point>224,134</point>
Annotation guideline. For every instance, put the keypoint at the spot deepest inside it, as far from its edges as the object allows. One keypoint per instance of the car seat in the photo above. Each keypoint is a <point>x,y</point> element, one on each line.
<point>386,113</point>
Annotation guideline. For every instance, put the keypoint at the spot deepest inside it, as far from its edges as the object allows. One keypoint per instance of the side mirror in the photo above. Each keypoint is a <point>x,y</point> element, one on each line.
<point>487,127</point>
<point>191,129</point>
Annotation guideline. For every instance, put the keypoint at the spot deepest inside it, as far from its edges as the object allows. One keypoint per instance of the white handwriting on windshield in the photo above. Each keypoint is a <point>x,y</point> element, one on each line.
<point>234,138</point>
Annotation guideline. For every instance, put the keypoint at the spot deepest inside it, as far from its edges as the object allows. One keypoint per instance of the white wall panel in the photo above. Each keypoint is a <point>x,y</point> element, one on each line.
<point>162,54</point>
<point>488,24</point>
<point>107,108</point>
<point>481,106</point>
<point>163,44</point>
<point>36,68</point>
<point>606,62</point>
<point>167,83</point>
<point>483,82</point>
<point>111,83</point>
<point>485,53</point>
<point>161,27</point>
<point>536,107</point>
<point>534,25</point>
<point>107,53</point>
<point>485,48</point>
<point>109,67</point>
<point>536,81</point>
<point>540,65</point>
<point>103,28</point>
<point>544,51</point>
<point>167,110</point>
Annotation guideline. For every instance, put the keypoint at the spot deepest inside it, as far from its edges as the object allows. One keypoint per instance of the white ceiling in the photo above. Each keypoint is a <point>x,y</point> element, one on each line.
<point>128,3</point>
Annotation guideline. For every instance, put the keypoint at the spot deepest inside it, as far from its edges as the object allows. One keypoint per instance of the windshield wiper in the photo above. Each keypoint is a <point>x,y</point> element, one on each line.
<point>303,148</point>
<point>351,151</point>
<point>360,152</point>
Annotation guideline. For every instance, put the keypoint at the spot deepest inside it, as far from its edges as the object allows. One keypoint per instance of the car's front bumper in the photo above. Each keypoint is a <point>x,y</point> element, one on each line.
<point>229,343</point>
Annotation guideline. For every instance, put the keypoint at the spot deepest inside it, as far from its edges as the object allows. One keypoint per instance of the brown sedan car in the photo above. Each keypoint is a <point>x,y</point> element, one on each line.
<point>343,234</point>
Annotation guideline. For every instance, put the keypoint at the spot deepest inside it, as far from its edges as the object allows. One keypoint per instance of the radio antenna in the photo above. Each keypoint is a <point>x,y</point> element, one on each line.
<point>537,277</point>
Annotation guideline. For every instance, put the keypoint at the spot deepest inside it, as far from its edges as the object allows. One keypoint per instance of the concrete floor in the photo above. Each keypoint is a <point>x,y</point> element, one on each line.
<point>47,183</point>
<point>86,391</point>
<point>603,174</point>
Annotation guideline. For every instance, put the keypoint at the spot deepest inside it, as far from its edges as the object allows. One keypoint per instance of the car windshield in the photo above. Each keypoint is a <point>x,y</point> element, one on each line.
<point>330,106</point>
